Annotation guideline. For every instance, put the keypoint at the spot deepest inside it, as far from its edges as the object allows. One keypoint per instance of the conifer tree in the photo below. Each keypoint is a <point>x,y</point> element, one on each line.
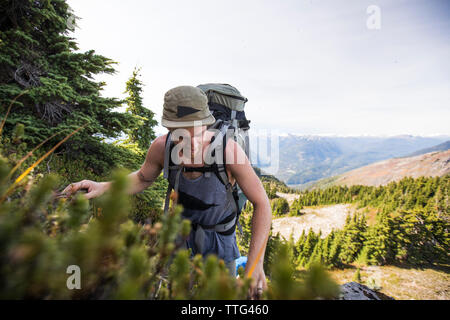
<point>335,250</point>
<point>143,133</point>
<point>37,54</point>
<point>280,206</point>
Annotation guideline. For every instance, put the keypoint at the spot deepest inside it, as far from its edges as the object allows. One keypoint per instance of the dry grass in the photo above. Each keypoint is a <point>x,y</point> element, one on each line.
<point>403,283</point>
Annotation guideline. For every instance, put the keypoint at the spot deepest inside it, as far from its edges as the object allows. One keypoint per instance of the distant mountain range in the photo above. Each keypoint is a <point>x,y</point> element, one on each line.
<point>381,173</point>
<point>305,159</point>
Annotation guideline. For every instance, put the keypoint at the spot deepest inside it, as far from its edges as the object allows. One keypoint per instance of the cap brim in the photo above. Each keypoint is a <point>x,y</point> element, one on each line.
<point>184,124</point>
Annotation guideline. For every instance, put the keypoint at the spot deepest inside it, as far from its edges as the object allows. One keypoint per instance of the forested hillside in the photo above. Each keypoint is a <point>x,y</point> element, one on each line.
<point>411,225</point>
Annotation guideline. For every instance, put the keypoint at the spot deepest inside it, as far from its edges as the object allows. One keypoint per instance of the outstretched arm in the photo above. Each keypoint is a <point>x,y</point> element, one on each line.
<point>252,187</point>
<point>151,169</point>
<point>138,180</point>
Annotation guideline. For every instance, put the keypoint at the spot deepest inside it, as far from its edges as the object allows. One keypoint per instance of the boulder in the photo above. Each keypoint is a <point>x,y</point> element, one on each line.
<point>357,291</point>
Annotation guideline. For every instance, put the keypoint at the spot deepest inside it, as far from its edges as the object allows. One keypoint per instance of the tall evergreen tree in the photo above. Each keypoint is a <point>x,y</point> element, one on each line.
<point>353,238</point>
<point>37,54</point>
<point>143,133</point>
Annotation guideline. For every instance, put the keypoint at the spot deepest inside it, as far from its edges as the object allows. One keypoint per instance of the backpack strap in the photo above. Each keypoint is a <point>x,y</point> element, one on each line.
<point>221,166</point>
<point>167,167</point>
<point>231,189</point>
<point>166,171</point>
<point>225,227</point>
<point>247,144</point>
<point>167,150</point>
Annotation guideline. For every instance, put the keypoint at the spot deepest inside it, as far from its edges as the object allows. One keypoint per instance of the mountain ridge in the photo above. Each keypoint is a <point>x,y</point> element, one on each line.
<point>381,173</point>
<point>305,159</point>
<point>440,147</point>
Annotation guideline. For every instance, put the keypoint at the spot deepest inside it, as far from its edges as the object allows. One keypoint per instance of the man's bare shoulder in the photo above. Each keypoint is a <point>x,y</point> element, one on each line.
<point>159,143</point>
<point>155,153</point>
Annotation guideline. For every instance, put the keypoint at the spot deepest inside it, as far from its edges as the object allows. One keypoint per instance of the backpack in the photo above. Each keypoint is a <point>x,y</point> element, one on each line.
<point>227,106</point>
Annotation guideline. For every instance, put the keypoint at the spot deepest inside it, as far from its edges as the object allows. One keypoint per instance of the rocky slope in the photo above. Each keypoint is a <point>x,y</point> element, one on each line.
<point>381,173</point>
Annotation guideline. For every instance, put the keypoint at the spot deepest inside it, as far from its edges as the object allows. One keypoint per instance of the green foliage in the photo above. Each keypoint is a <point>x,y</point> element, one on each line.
<point>37,54</point>
<point>280,206</point>
<point>408,194</point>
<point>295,209</point>
<point>353,238</point>
<point>315,284</point>
<point>142,133</point>
<point>411,227</point>
<point>41,236</point>
<point>243,239</point>
<point>270,190</point>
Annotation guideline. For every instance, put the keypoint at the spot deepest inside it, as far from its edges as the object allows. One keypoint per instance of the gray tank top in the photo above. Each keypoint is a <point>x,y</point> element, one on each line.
<point>206,201</point>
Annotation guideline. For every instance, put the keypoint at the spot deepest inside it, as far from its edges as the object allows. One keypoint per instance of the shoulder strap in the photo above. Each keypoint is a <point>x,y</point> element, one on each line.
<point>166,171</point>
<point>221,172</point>
<point>167,167</point>
<point>167,151</point>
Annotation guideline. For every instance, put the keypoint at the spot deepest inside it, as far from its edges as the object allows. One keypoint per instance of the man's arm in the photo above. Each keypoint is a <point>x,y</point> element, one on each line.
<point>253,189</point>
<point>150,169</point>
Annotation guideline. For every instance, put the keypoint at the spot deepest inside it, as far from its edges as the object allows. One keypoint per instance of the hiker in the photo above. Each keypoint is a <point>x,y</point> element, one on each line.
<point>207,199</point>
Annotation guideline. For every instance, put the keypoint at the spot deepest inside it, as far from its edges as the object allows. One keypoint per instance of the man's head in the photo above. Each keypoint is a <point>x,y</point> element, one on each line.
<point>186,107</point>
<point>186,114</point>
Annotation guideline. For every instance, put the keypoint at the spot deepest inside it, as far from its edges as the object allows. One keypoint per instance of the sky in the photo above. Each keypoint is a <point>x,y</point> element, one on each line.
<point>307,66</point>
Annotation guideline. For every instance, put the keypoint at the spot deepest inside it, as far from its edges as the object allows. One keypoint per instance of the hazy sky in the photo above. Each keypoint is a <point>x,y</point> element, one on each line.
<point>307,66</point>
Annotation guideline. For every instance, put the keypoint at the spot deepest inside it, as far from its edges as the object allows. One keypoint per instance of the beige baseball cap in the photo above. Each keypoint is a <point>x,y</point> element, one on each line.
<point>186,106</point>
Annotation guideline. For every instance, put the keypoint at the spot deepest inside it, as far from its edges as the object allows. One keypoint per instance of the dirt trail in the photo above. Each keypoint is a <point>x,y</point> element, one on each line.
<point>322,218</point>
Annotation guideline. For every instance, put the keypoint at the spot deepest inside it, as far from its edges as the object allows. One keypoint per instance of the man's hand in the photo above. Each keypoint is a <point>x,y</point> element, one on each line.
<point>94,189</point>
<point>259,282</point>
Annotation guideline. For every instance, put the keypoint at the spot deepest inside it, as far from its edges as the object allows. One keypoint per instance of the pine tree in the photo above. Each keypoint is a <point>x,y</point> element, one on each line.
<point>280,206</point>
<point>380,244</point>
<point>353,238</point>
<point>143,133</point>
<point>335,250</point>
<point>38,55</point>
<point>307,248</point>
